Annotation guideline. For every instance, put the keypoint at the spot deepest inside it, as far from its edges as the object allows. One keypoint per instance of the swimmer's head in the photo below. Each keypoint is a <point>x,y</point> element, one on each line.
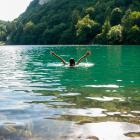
<point>72,62</point>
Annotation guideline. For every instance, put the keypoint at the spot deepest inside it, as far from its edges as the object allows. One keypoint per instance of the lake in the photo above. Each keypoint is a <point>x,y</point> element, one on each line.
<point>40,99</point>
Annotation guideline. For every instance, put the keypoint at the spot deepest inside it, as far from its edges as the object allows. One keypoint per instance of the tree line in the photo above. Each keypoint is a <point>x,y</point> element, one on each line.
<point>76,22</point>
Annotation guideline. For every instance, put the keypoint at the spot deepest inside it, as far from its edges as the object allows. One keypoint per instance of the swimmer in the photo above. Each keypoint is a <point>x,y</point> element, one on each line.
<point>72,62</point>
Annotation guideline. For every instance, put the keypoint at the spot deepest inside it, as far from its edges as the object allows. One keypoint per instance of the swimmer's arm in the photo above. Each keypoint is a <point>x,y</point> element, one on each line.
<point>84,56</point>
<point>64,62</point>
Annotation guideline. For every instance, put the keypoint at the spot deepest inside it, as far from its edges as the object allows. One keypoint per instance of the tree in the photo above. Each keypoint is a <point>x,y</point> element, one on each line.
<point>27,36</point>
<point>131,27</point>
<point>134,35</point>
<point>102,37</point>
<point>91,12</point>
<point>28,26</point>
<point>133,18</point>
<point>124,3</point>
<point>2,36</point>
<point>115,35</point>
<point>86,29</point>
<point>52,36</point>
<point>68,37</point>
<point>3,32</point>
<point>75,16</point>
<point>106,27</point>
<point>116,16</point>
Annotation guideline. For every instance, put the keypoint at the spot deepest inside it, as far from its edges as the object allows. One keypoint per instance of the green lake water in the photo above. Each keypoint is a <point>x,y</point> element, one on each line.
<point>40,99</point>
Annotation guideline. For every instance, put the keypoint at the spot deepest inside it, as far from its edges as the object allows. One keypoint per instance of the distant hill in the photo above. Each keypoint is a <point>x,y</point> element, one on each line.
<point>78,22</point>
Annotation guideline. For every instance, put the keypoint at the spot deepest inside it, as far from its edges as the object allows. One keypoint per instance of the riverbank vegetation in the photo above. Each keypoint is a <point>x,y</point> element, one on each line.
<point>77,22</point>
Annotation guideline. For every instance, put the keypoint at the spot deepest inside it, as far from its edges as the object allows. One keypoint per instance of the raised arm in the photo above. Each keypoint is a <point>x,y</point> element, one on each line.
<point>64,62</point>
<point>84,56</point>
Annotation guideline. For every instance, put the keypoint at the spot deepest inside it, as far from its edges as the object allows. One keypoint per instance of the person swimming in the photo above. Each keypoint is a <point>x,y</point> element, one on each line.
<point>72,62</point>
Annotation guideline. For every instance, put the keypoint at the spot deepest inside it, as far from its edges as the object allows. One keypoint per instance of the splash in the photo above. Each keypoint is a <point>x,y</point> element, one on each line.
<point>84,65</point>
<point>55,64</point>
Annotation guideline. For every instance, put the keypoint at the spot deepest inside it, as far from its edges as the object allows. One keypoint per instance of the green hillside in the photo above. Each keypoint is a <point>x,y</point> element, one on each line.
<point>5,29</point>
<point>78,22</point>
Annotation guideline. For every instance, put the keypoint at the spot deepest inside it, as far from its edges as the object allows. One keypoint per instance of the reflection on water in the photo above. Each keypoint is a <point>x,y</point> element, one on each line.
<point>42,99</point>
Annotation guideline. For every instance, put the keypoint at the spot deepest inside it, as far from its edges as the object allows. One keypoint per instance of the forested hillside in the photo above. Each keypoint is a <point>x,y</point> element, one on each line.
<point>78,22</point>
<point>5,29</point>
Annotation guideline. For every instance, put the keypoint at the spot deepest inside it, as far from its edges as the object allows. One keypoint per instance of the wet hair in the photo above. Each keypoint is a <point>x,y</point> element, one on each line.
<point>72,62</point>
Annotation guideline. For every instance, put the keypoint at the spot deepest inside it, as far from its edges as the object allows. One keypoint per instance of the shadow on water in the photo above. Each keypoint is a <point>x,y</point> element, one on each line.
<point>42,99</point>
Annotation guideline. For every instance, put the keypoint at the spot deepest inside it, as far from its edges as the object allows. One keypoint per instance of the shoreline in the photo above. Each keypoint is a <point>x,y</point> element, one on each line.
<point>2,43</point>
<point>5,44</point>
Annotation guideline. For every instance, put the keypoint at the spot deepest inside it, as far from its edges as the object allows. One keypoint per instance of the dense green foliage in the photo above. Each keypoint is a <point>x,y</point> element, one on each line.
<point>3,30</point>
<point>78,22</point>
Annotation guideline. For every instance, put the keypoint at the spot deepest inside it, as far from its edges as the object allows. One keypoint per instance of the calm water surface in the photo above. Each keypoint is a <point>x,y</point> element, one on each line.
<point>40,99</point>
